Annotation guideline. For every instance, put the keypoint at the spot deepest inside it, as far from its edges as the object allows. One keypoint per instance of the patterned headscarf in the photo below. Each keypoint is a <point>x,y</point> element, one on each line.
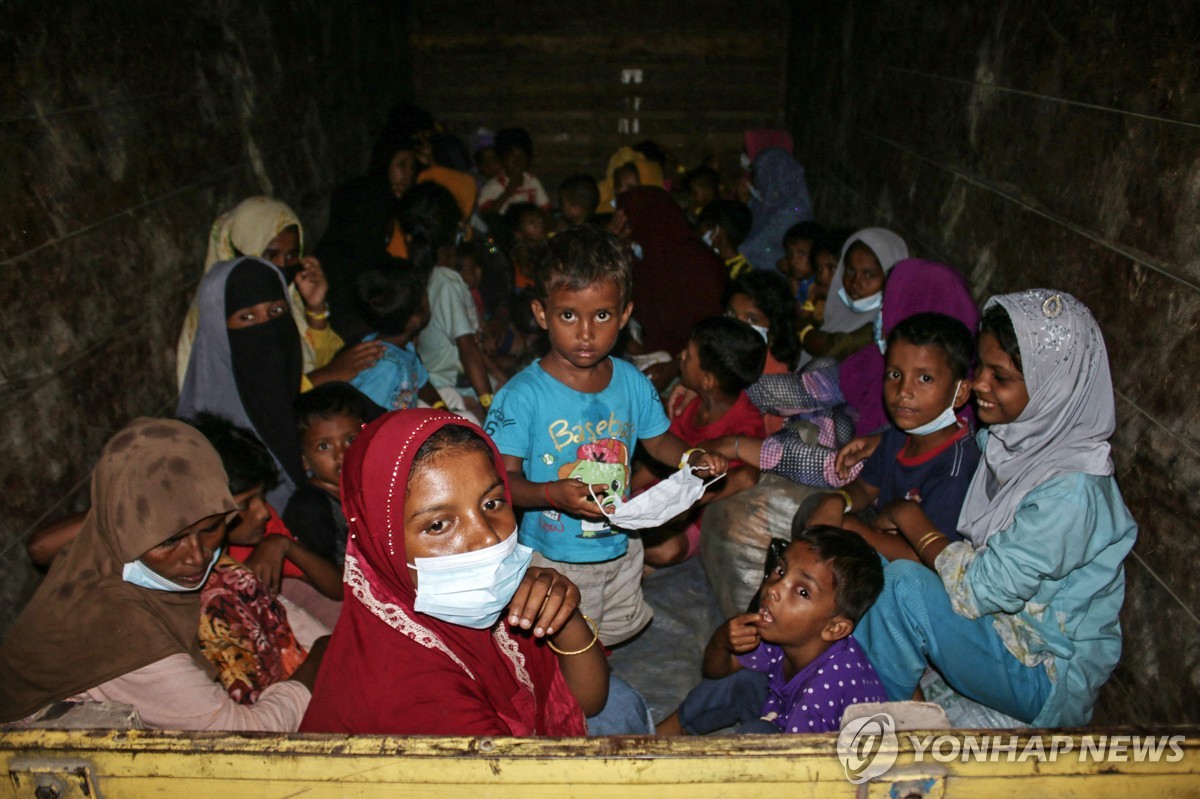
<point>1068,421</point>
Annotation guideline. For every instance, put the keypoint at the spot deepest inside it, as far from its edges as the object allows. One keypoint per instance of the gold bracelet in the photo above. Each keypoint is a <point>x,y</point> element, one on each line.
<point>437,406</point>
<point>849,500</point>
<point>926,540</point>
<point>592,643</point>
<point>805,332</point>
<point>485,400</point>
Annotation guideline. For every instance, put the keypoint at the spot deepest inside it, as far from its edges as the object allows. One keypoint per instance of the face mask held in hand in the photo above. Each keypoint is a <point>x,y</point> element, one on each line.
<point>658,504</point>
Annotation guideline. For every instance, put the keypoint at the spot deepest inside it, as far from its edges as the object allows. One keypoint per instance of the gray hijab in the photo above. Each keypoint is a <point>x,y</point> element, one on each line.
<point>889,249</point>
<point>1067,423</point>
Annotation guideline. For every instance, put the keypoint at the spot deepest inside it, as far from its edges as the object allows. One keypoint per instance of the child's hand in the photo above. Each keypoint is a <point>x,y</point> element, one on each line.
<point>855,452</point>
<point>571,496</point>
<point>712,464</point>
<point>618,225</point>
<point>679,398</point>
<point>310,282</point>
<point>740,635</point>
<point>266,561</point>
<point>831,510</point>
<point>544,602</point>
<point>349,361</point>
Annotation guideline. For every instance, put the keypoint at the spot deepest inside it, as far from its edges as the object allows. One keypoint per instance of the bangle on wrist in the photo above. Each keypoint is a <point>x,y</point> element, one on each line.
<point>805,332</point>
<point>849,500</point>
<point>737,440</point>
<point>437,406</point>
<point>486,400</point>
<point>592,643</point>
<point>926,540</point>
<point>318,316</point>
<point>683,462</point>
<point>546,491</point>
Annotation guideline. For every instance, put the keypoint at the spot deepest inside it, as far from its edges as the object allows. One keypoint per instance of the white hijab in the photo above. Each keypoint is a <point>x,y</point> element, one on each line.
<point>889,249</point>
<point>1067,423</point>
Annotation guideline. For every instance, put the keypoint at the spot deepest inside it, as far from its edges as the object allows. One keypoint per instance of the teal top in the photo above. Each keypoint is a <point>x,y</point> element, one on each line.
<point>1053,583</point>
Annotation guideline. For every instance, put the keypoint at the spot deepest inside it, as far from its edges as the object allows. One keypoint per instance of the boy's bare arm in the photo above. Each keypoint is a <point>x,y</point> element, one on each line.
<point>473,366</point>
<point>831,509</point>
<point>570,496</point>
<point>735,637</point>
<point>47,542</point>
<point>739,478</point>
<point>668,449</point>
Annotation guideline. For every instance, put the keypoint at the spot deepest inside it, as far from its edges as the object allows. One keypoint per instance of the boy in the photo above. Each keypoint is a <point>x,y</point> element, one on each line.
<point>800,639</point>
<point>796,265</point>
<point>703,185</point>
<point>723,358</point>
<point>394,304</point>
<point>919,474</point>
<point>724,225</point>
<point>578,199</point>
<point>514,183</point>
<point>568,423</point>
<point>328,419</point>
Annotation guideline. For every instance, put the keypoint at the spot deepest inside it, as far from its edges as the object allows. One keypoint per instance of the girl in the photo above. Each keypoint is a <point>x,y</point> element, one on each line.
<point>271,230</point>
<point>762,299</point>
<point>160,500</point>
<point>431,565</point>
<point>780,200</point>
<point>246,362</point>
<point>856,293</point>
<point>1023,615</point>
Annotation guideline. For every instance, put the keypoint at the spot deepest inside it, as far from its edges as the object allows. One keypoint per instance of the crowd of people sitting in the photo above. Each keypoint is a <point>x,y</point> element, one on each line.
<point>420,469</point>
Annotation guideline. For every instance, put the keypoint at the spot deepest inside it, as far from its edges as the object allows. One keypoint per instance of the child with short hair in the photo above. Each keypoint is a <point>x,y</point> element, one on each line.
<point>724,225</point>
<point>723,358</point>
<point>927,460</point>
<point>800,641</point>
<point>393,302</point>
<point>327,421</point>
<point>514,183</point>
<point>578,199</point>
<point>823,258</point>
<point>796,263</point>
<point>703,185</point>
<point>566,426</point>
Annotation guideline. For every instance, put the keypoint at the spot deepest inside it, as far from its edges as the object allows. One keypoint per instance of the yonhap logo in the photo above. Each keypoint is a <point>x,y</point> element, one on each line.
<point>867,747</point>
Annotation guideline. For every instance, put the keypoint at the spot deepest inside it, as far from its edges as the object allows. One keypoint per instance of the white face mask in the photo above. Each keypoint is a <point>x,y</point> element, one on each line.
<point>709,238</point>
<point>637,249</point>
<point>659,504</point>
<point>872,302</point>
<point>139,573</point>
<point>943,420</point>
<point>765,332</point>
<point>746,162</point>
<point>471,589</point>
<point>877,327</point>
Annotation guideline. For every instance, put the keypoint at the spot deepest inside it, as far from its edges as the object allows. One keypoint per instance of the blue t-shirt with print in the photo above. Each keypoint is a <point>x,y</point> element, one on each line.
<point>559,433</point>
<point>393,382</point>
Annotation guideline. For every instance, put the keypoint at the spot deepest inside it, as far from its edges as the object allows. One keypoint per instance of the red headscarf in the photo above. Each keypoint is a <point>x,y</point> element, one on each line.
<point>392,670</point>
<point>678,280</point>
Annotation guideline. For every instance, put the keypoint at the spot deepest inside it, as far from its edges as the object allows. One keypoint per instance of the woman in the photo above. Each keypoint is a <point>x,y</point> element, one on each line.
<point>780,200</point>
<point>1022,615</point>
<point>246,362</point>
<point>677,280</point>
<point>271,230</point>
<point>428,505</point>
<point>159,503</point>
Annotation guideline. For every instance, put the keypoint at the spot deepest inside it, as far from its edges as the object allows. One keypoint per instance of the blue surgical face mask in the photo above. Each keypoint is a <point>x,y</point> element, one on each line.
<point>870,303</point>
<point>746,162</point>
<point>637,249</point>
<point>943,420</point>
<point>471,589</point>
<point>877,327</point>
<point>139,573</point>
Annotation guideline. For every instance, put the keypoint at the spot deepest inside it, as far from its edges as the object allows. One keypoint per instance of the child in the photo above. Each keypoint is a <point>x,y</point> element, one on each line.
<point>800,638</point>
<point>394,304</point>
<point>722,359</point>
<point>487,164</point>
<point>567,424</point>
<point>824,259</point>
<point>724,225</point>
<point>796,263</point>
<point>514,183</point>
<point>327,420</point>
<point>762,300</point>
<point>703,185</point>
<point>578,199</point>
<point>527,225</point>
<point>1023,615</point>
<point>927,460</point>
<point>625,177</point>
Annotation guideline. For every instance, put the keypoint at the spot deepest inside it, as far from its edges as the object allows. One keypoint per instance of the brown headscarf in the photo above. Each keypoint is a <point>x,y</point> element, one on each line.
<point>86,625</point>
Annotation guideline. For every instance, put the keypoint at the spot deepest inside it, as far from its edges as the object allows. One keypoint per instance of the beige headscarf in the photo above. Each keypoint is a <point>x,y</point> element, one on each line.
<point>246,230</point>
<point>86,625</point>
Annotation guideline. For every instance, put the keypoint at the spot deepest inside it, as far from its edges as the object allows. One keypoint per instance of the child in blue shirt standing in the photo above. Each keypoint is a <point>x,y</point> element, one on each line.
<point>568,423</point>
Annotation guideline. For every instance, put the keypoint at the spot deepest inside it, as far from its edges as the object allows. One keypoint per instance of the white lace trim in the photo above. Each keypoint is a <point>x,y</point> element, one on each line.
<point>395,617</point>
<point>509,648</point>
